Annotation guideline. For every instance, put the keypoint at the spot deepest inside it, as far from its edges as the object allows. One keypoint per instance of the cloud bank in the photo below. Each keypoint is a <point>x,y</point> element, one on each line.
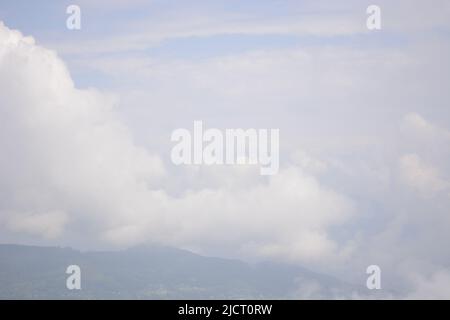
<point>71,166</point>
<point>374,192</point>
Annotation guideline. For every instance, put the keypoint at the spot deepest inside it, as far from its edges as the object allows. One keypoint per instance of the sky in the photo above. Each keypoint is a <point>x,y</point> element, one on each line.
<point>364,118</point>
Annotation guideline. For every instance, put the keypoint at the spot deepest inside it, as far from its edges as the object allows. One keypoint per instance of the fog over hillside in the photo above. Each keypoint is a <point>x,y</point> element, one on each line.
<point>155,272</point>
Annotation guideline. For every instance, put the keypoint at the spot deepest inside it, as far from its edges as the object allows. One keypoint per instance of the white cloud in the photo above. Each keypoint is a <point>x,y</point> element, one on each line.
<point>420,176</point>
<point>150,34</point>
<point>67,151</point>
<point>287,218</point>
<point>433,287</point>
<point>49,224</point>
<point>421,130</point>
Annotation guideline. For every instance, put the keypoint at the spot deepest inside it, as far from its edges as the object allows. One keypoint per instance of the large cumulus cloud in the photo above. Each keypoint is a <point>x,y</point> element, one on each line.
<point>70,167</point>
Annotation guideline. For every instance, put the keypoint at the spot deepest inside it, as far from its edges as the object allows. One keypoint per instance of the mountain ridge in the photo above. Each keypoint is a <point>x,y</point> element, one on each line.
<point>153,272</point>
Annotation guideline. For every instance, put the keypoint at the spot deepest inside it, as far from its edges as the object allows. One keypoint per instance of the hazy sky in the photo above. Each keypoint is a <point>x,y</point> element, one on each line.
<point>364,117</point>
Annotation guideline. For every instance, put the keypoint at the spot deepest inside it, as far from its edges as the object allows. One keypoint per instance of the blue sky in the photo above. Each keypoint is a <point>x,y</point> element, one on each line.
<point>45,20</point>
